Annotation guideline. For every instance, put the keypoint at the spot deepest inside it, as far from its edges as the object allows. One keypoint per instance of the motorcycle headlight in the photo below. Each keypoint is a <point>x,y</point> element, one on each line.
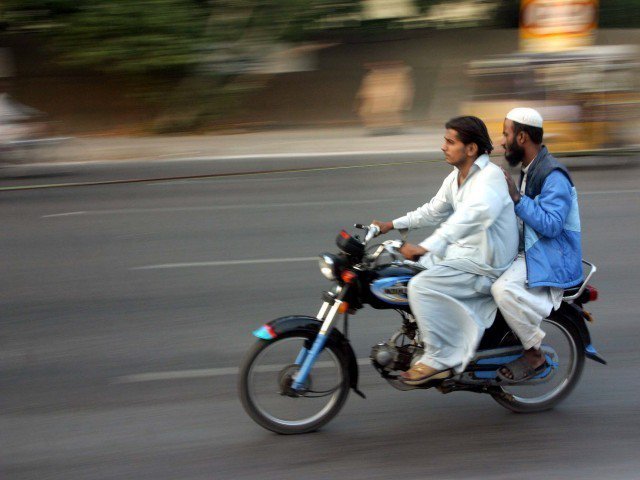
<point>329,266</point>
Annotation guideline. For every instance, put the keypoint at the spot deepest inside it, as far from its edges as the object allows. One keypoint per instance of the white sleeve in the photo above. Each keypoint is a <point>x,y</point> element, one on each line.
<point>430,214</point>
<point>479,210</point>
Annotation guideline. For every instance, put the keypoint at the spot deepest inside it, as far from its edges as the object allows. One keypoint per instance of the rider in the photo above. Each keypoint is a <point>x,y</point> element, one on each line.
<point>475,242</point>
<point>550,254</point>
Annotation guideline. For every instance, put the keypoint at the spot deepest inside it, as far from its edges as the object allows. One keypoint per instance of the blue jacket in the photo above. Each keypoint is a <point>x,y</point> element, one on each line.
<point>549,210</point>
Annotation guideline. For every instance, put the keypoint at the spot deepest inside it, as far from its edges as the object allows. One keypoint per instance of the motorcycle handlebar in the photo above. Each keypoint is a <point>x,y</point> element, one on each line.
<point>372,231</point>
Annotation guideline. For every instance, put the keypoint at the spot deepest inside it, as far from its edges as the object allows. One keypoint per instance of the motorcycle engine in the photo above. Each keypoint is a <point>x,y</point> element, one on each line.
<point>387,358</point>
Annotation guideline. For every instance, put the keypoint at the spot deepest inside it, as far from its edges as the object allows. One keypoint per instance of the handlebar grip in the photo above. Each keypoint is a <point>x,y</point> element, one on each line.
<point>374,230</point>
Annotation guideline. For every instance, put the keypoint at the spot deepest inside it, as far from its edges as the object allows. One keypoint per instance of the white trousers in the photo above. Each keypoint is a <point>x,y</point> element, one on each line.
<point>452,308</point>
<point>524,308</point>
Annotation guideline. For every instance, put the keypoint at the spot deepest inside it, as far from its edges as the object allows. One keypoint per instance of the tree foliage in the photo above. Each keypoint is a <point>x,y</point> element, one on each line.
<point>124,36</point>
<point>148,36</point>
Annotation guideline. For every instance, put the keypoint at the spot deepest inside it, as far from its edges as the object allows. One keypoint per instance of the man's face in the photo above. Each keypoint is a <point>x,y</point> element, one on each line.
<point>513,152</point>
<point>455,152</point>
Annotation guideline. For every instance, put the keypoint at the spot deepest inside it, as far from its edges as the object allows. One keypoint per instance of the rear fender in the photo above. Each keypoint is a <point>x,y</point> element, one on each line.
<point>572,314</point>
<point>300,323</point>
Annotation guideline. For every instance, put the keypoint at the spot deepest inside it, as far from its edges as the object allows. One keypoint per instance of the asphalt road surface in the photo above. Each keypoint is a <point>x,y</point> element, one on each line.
<point>127,308</point>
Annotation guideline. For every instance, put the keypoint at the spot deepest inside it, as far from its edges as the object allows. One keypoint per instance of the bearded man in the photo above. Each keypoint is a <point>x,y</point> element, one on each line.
<point>550,253</point>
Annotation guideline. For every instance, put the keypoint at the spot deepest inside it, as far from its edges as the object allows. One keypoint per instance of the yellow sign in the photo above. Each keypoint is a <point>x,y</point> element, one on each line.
<point>556,25</point>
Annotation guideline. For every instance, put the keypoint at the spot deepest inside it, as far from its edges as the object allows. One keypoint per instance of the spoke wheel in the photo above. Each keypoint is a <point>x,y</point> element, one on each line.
<point>266,379</point>
<point>568,358</point>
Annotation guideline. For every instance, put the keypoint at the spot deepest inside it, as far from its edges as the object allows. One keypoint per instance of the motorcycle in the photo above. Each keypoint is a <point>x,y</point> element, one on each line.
<point>25,134</point>
<point>298,374</point>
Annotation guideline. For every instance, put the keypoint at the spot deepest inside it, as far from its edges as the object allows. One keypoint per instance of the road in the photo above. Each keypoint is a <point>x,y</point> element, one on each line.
<point>126,309</point>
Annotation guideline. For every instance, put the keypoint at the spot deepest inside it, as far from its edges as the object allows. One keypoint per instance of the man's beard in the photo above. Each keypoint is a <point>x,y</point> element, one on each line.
<point>515,155</point>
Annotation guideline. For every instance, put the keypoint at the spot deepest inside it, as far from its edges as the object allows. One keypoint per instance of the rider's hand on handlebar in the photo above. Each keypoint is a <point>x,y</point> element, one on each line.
<point>384,227</point>
<point>412,252</point>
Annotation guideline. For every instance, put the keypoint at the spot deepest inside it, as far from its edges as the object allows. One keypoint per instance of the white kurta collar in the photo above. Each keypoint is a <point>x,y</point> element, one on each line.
<point>482,161</point>
<point>526,169</point>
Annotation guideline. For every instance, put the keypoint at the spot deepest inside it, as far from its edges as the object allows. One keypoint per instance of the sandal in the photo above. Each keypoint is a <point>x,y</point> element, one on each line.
<point>521,370</point>
<point>420,374</point>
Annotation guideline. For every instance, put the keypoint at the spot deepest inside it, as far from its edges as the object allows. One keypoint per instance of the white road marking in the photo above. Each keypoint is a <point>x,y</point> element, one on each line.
<point>67,214</point>
<point>176,155</point>
<point>355,153</point>
<point>209,372</point>
<point>129,211</point>
<point>223,158</point>
<point>125,211</point>
<point>224,263</point>
<point>225,180</point>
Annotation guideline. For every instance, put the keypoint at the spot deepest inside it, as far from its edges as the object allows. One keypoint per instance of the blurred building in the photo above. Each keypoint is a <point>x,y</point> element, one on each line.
<point>385,96</point>
<point>587,94</point>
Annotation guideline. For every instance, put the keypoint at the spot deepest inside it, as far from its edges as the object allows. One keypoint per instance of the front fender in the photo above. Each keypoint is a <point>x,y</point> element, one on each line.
<point>301,323</point>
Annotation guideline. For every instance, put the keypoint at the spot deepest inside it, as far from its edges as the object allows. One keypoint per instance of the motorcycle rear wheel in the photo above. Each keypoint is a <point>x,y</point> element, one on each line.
<point>566,341</point>
<point>265,379</point>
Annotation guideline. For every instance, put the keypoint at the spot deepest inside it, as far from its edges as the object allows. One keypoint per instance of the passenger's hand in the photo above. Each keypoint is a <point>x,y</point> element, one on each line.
<point>384,227</point>
<point>513,189</point>
<point>412,252</point>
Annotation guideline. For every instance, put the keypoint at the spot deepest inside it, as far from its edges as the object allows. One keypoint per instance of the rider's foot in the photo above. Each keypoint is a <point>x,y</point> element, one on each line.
<point>421,373</point>
<point>534,358</point>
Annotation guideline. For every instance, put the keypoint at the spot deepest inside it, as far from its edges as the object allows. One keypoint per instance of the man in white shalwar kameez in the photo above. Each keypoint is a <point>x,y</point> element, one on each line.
<point>475,242</point>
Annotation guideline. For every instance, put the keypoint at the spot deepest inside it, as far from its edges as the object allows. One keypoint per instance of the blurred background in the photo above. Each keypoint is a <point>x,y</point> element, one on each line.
<point>197,66</point>
<point>253,132</point>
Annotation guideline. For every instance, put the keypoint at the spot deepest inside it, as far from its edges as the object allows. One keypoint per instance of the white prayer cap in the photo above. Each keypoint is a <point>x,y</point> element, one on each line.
<point>526,116</point>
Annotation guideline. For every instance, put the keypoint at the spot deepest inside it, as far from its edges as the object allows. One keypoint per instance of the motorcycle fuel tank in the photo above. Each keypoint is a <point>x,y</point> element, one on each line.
<point>391,290</point>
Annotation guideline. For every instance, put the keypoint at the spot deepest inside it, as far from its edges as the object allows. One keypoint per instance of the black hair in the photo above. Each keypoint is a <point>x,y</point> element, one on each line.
<point>471,130</point>
<point>535,133</point>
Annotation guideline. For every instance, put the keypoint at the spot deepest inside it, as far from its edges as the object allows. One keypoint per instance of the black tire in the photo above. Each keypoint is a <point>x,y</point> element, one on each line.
<point>280,425</point>
<point>517,404</point>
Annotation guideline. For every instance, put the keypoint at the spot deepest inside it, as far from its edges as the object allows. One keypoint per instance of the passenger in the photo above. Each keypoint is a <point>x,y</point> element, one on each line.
<point>550,254</point>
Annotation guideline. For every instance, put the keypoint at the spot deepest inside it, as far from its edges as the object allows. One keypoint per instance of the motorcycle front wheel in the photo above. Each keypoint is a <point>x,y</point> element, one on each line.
<point>266,376</point>
<point>568,348</point>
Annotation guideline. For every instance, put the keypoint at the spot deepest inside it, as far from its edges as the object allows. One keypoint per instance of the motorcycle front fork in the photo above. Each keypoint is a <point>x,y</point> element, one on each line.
<point>307,357</point>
